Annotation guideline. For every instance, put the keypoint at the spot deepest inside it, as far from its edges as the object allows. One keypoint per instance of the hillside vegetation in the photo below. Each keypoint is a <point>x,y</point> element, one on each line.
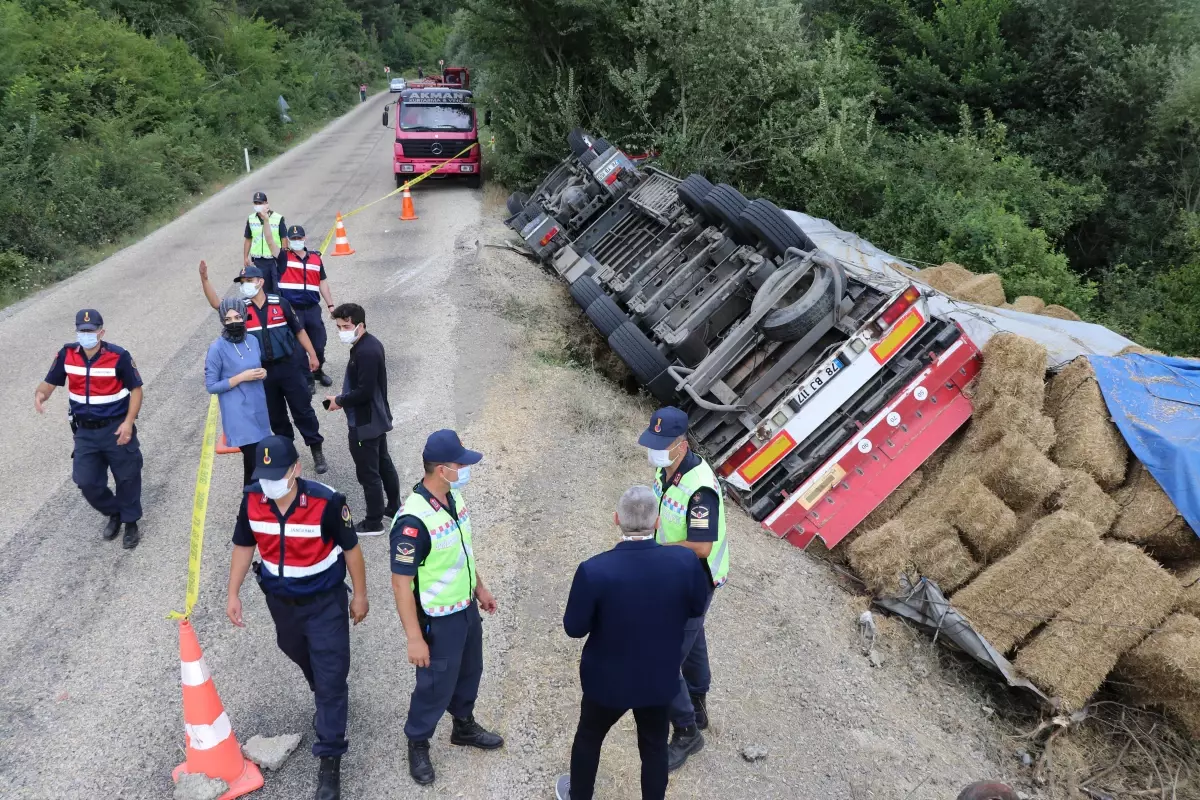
<point>1055,142</point>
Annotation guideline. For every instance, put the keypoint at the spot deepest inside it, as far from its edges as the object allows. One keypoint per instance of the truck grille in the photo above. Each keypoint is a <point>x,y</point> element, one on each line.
<point>433,148</point>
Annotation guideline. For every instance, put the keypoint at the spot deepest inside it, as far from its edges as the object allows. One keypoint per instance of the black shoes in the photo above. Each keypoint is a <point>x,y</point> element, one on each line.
<point>700,705</point>
<point>469,733</point>
<point>319,462</point>
<point>325,380</point>
<point>369,527</point>
<point>132,537</point>
<point>419,765</point>
<point>329,779</point>
<point>684,742</point>
<point>112,528</point>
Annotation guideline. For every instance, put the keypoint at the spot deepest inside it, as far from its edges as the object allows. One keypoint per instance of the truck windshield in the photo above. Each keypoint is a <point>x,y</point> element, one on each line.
<point>437,118</point>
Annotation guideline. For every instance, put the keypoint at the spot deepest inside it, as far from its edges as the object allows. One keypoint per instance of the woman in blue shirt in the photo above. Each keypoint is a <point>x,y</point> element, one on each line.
<point>233,371</point>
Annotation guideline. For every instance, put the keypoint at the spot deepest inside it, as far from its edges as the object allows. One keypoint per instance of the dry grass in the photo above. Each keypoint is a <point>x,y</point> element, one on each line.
<point>1009,414</point>
<point>985,522</point>
<point>1071,658</point>
<point>1013,366</point>
<point>1164,670</point>
<point>986,289</point>
<point>946,278</point>
<point>1056,562</point>
<point>1017,471</point>
<point>1087,438</point>
<point>1029,304</point>
<point>1189,580</point>
<point>1138,350</point>
<point>1081,495</point>
<point>1060,312</point>
<point>1144,507</point>
<point>894,502</point>
<point>902,547</point>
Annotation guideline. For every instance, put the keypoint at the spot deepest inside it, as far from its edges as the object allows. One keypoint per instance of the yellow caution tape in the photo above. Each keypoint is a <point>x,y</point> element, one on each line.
<point>200,511</point>
<point>394,192</point>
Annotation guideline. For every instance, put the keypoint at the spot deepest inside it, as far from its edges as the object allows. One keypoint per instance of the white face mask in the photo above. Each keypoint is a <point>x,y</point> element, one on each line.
<point>87,339</point>
<point>464,476</point>
<point>296,246</point>
<point>259,208</point>
<point>275,489</point>
<point>659,458</point>
<point>348,337</point>
<point>249,289</point>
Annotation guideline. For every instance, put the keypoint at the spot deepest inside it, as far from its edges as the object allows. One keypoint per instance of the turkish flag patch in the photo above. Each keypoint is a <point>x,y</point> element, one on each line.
<point>408,531</point>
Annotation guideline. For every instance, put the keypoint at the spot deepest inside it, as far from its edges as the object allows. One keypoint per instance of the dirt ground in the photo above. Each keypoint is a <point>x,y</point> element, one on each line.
<point>788,666</point>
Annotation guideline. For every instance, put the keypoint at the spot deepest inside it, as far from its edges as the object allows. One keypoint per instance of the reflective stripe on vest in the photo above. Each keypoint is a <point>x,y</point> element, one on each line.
<point>672,514</point>
<point>447,575</point>
<point>282,342</point>
<point>304,552</point>
<point>300,283</point>
<point>95,383</point>
<point>258,242</point>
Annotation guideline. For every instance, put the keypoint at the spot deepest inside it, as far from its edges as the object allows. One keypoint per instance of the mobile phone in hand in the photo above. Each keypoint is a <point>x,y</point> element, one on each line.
<point>325,403</point>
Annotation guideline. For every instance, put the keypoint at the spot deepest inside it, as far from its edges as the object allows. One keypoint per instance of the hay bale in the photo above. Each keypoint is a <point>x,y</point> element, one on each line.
<point>941,556</point>
<point>946,278</point>
<point>1189,579</point>
<point>1139,350</point>
<point>1007,414</point>
<point>1059,312</point>
<point>1087,439</point>
<point>894,502</point>
<point>1029,304</point>
<point>1017,471</point>
<point>1073,655</point>
<point>1177,541</point>
<point>1144,507</point>
<point>1164,670</point>
<point>902,547</point>
<point>1013,366</point>
<point>1082,496</point>
<point>881,556</point>
<point>987,525</point>
<point>986,289</point>
<point>1059,558</point>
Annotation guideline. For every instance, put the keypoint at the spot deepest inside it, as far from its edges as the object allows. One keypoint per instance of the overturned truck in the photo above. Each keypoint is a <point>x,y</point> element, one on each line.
<point>814,390</point>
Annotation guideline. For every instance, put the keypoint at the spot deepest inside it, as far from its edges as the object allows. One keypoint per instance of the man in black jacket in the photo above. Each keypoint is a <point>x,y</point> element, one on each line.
<point>364,399</point>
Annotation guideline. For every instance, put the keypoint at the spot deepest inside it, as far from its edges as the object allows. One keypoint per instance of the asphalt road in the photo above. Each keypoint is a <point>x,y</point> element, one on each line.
<point>89,677</point>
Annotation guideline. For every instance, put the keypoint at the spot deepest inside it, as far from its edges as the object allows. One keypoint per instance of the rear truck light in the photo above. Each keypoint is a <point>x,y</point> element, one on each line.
<point>767,457</point>
<point>466,168</point>
<point>550,234</point>
<point>901,304</point>
<point>905,329</point>
<point>737,459</point>
<point>406,167</point>
<point>612,178</point>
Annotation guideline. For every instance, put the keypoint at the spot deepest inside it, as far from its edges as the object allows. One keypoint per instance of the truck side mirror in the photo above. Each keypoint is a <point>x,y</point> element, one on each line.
<point>385,118</point>
<point>487,117</point>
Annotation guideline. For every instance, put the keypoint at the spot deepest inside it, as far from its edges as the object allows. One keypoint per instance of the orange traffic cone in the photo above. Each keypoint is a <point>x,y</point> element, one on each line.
<point>212,749</point>
<point>224,449</point>
<point>407,212</point>
<point>341,245</point>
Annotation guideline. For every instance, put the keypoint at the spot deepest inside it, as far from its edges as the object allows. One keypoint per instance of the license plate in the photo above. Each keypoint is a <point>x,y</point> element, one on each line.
<point>818,379</point>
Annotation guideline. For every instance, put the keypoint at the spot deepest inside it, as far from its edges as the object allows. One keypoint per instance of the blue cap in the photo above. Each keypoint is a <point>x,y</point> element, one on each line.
<point>88,319</point>
<point>248,272</point>
<point>273,457</point>
<point>260,197</point>
<point>295,232</point>
<point>667,425</point>
<point>444,447</point>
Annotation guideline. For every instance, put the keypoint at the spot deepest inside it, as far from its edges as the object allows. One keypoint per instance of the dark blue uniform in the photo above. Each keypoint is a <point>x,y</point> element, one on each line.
<point>95,417</point>
<point>268,265</point>
<point>286,385</point>
<point>451,681</point>
<point>303,578</point>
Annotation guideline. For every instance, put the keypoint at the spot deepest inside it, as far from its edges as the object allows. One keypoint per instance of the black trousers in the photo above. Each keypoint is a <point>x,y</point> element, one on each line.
<point>376,474</point>
<point>653,726</point>
<point>249,451</point>
<point>286,387</point>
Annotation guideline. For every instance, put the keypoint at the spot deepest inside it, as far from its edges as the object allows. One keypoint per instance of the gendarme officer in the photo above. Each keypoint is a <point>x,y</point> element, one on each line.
<point>439,593</point>
<point>105,394</point>
<point>691,513</point>
<point>302,283</point>
<point>265,237</point>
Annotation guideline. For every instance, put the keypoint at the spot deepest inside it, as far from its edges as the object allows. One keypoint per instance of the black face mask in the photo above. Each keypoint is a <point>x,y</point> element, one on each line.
<point>235,331</point>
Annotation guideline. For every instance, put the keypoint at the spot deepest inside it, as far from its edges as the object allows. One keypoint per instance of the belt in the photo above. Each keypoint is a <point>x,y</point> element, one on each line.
<point>96,424</point>
<point>306,599</point>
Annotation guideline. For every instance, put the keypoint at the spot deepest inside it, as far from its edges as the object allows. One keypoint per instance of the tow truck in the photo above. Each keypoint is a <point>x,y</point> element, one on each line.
<point>436,127</point>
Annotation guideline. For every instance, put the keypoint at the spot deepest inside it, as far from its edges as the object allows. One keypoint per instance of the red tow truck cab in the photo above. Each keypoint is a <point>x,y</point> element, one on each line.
<point>436,128</point>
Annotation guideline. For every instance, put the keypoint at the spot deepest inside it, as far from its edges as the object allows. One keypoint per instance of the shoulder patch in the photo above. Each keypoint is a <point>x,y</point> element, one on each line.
<point>699,512</point>
<point>345,513</point>
<point>409,531</point>
<point>405,552</point>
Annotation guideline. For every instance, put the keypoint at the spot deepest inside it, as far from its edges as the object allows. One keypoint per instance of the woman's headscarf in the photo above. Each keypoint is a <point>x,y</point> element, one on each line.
<point>231,304</point>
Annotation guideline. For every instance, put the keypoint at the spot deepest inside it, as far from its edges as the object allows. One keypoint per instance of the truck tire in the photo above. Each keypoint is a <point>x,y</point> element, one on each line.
<point>580,141</point>
<point>724,206</point>
<point>606,315</point>
<point>647,364</point>
<point>692,191</point>
<point>586,291</point>
<point>791,322</point>
<point>587,157</point>
<point>474,181</point>
<point>516,203</point>
<point>774,229</point>
<point>601,146</point>
<point>987,790</point>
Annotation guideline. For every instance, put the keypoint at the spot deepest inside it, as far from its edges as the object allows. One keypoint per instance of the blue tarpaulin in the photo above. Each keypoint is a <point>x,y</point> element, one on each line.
<point>1155,403</point>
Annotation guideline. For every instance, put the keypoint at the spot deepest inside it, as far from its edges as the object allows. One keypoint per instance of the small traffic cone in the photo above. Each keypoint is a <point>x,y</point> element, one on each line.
<point>407,212</point>
<point>341,245</point>
<point>212,749</point>
<point>223,449</point>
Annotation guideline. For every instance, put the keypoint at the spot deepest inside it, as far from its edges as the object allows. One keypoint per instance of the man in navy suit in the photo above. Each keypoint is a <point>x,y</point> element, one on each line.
<point>632,602</point>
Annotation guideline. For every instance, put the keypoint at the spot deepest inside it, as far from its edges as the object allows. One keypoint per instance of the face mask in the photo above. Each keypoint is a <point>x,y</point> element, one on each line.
<point>659,458</point>
<point>349,336</point>
<point>296,246</point>
<point>249,289</point>
<point>464,475</point>
<point>236,331</point>
<point>88,339</point>
<point>275,489</point>
<point>258,209</point>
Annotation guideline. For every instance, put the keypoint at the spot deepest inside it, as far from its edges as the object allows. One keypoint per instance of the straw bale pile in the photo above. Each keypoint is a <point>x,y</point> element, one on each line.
<point>1149,518</point>
<point>1059,312</point>
<point>1073,655</point>
<point>1029,304</point>
<point>1189,579</point>
<point>1081,495</point>
<point>1086,437</point>
<point>904,547</point>
<point>1013,366</point>
<point>1137,349</point>
<point>1017,471</point>
<point>1059,558</point>
<point>1007,414</point>
<point>894,502</point>
<point>1164,670</point>
<point>946,278</point>
<point>985,522</point>
<point>985,289</point>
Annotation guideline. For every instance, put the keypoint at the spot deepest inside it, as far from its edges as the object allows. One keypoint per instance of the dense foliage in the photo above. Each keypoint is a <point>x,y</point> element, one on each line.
<point>114,111</point>
<point>1056,142</point>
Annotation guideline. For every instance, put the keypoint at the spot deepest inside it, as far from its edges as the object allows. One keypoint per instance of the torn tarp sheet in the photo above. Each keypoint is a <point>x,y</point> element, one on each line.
<point>1155,402</point>
<point>925,605</point>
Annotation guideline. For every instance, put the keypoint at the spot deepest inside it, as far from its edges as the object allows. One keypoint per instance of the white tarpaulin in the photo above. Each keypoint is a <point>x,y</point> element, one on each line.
<point>1064,340</point>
